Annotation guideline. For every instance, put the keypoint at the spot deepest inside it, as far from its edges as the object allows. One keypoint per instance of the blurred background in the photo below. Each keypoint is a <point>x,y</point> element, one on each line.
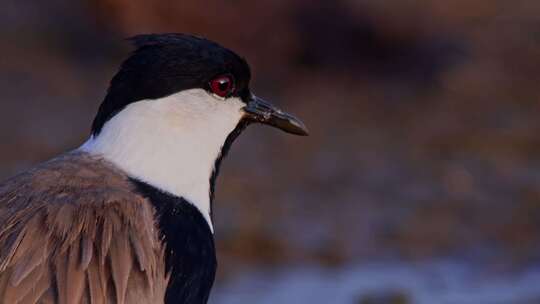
<point>420,182</point>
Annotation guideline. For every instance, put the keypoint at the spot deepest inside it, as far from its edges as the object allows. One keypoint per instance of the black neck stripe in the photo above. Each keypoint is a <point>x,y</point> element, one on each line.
<point>190,253</point>
<point>242,125</point>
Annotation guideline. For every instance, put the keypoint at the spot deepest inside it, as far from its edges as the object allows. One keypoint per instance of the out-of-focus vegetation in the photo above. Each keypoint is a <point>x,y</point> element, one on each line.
<point>424,119</point>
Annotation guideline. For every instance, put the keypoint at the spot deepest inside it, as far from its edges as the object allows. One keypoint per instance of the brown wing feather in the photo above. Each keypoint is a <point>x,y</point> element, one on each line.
<point>72,231</point>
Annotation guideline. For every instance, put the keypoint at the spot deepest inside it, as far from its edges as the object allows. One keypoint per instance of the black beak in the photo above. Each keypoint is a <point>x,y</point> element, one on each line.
<point>261,111</point>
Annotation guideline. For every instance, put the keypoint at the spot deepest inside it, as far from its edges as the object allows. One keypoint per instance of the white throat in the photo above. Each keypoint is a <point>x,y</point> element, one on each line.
<point>171,143</point>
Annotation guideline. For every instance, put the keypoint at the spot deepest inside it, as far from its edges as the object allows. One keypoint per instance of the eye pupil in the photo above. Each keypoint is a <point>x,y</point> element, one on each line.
<point>222,85</point>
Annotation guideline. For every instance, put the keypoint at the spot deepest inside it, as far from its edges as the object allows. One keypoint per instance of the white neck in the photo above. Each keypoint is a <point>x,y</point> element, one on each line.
<point>171,143</point>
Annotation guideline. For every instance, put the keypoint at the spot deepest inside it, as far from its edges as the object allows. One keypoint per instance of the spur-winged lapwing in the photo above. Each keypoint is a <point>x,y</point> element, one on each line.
<point>126,218</point>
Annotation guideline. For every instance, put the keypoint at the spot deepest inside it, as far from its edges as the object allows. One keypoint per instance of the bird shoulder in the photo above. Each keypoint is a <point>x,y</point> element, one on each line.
<point>72,231</point>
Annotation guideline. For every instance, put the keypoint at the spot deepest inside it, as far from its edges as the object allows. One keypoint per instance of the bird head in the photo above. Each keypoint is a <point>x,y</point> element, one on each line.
<point>196,70</point>
<point>172,111</point>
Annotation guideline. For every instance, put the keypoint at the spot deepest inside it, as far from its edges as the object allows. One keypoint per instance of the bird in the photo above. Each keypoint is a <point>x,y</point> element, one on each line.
<point>127,217</point>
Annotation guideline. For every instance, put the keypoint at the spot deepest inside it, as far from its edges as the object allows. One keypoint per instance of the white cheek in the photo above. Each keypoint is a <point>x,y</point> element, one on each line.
<point>171,143</point>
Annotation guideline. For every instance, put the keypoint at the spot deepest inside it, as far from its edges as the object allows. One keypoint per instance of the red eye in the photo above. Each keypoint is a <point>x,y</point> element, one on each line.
<point>222,85</point>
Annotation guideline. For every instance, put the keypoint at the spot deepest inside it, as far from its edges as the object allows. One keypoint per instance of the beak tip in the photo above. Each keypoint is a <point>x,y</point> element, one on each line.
<point>295,126</point>
<point>302,130</point>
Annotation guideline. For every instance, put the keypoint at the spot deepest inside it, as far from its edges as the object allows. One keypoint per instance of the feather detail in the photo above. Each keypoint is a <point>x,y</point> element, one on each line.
<point>27,265</point>
<point>86,252</point>
<point>105,240</point>
<point>73,239</point>
<point>96,284</point>
<point>28,240</point>
<point>121,264</point>
<point>23,269</point>
<point>38,289</point>
<point>139,250</point>
<point>75,276</point>
<point>13,241</point>
<point>26,287</point>
<point>60,273</point>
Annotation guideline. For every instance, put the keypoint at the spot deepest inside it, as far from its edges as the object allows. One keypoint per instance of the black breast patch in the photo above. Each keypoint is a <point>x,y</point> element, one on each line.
<point>190,252</point>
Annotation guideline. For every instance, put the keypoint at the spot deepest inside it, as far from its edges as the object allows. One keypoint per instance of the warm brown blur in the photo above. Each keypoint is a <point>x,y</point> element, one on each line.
<point>424,119</point>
